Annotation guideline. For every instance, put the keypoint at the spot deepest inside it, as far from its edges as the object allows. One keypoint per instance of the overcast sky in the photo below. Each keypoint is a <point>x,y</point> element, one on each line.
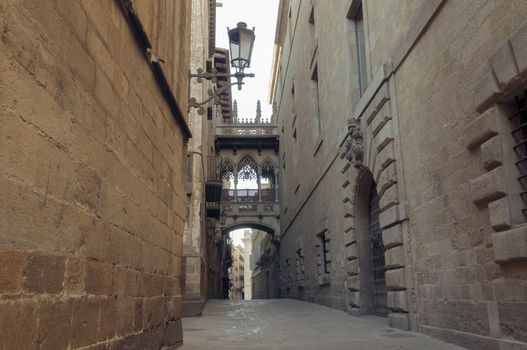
<point>260,14</point>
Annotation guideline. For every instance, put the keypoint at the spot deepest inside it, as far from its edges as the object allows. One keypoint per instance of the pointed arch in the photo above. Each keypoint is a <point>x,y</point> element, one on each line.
<point>247,168</point>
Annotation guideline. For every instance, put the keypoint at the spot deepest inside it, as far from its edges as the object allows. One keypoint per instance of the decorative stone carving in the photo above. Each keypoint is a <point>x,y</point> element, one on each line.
<point>354,145</point>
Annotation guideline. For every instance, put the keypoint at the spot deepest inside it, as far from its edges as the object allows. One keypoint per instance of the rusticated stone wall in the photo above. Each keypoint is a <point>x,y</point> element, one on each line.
<point>92,162</point>
<point>432,132</point>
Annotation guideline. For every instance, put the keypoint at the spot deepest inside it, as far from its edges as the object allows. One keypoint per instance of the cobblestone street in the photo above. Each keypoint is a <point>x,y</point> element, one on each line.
<point>291,324</point>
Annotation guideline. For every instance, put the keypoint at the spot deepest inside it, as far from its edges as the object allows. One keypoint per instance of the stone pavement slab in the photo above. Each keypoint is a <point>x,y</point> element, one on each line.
<point>286,324</point>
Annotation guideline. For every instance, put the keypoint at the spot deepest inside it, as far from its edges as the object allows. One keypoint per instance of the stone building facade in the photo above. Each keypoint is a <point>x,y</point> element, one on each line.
<point>237,273</point>
<point>247,248</point>
<point>402,170</point>
<point>264,264</point>
<point>93,102</point>
<point>200,275</point>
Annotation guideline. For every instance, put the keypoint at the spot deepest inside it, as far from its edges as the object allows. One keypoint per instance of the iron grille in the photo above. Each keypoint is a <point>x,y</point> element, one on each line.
<point>519,133</point>
<point>377,256</point>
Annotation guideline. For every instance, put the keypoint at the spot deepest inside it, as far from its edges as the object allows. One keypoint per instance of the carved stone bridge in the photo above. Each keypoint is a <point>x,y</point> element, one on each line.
<point>249,170</point>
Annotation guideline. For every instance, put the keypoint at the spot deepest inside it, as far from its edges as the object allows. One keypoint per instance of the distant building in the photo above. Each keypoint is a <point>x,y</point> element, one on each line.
<point>237,273</point>
<point>247,248</point>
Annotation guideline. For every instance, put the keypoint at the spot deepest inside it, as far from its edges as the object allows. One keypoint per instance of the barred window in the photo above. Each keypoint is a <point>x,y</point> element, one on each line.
<point>519,133</point>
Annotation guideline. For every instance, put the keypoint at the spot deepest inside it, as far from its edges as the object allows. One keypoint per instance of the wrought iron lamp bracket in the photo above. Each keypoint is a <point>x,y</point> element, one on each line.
<point>214,93</point>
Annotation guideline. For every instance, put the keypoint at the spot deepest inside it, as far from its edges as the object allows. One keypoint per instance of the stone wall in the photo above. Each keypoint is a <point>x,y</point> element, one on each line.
<point>197,237</point>
<point>92,177</point>
<point>431,132</point>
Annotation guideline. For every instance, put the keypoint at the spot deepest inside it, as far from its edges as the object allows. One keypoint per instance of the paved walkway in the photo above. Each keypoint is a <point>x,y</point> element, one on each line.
<point>291,324</point>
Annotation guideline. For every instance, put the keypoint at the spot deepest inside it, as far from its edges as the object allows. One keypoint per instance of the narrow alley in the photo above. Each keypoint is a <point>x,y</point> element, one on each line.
<point>279,324</point>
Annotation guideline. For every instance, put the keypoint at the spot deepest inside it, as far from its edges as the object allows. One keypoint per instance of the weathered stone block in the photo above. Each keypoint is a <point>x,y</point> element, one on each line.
<point>84,322</point>
<point>483,128</point>
<point>510,245</point>
<point>504,66</point>
<point>486,92</point>
<point>519,46</point>
<point>500,216</point>
<point>54,323</point>
<point>508,290</point>
<point>352,267</point>
<point>491,153</point>
<point>386,178</point>
<point>395,279</point>
<point>12,266</point>
<point>392,236</point>
<point>390,197</point>
<point>107,318</point>
<point>512,319</point>
<point>45,274</point>
<point>385,136</point>
<point>75,276</point>
<point>125,313</point>
<point>354,298</point>
<point>353,282</point>
<point>174,333</point>
<point>99,278</point>
<point>378,101</point>
<point>153,312</point>
<point>384,158</point>
<point>350,251</point>
<point>395,257</point>
<point>397,300</point>
<point>383,117</point>
<point>18,324</point>
<point>399,321</point>
<point>489,186</point>
<point>390,216</point>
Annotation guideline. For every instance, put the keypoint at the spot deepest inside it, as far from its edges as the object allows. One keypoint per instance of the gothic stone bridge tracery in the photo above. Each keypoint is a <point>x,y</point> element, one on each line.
<point>249,172</point>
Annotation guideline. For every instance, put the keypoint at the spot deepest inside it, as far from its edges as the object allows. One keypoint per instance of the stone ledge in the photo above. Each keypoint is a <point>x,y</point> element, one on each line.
<point>486,93</point>
<point>350,251</point>
<point>499,212</point>
<point>482,128</point>
<point>510,245</point>
<point>489,187</point>
<point>519,46</point>
<point>504,66</point>
<point>385,136</point>
<point>395,279</point>
<point>397,300</point>
<point>491,153</point>
<point>395,257</point>
<point>383,160</point>
<point>392,236</point>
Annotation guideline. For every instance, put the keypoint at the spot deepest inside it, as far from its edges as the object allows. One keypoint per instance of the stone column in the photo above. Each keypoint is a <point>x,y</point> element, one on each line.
<point>259,180</point>
<point>276,184</point>
<point>235,185</point>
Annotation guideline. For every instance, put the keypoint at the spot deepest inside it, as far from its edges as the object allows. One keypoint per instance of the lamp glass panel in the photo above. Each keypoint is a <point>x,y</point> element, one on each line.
<point>246,43</point>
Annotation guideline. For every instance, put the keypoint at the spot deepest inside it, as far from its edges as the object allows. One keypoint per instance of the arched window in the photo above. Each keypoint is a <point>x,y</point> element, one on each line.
<point>268,181</point>
<point>247,179</point>
<point>227,177</point>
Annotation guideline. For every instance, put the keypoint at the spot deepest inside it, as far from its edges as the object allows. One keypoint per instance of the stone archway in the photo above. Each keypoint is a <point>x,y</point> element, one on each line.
<point>370,248</point>
<point>370,156</point>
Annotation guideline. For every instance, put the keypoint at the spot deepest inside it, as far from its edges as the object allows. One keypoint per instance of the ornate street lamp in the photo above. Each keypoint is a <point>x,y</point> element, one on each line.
<point>241,42</point>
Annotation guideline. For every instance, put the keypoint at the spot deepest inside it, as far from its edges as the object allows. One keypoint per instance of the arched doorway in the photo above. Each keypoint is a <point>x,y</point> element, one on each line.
<point>372,283</point>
